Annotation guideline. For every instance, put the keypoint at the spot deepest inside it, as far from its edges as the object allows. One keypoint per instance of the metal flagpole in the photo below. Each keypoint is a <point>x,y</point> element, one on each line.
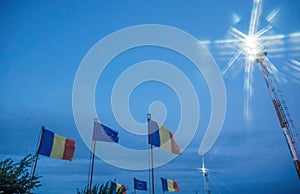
<point>36,158</point>
<point>162,187</point>
<point>151,150</point>
<point>93,156</point>
<point>149,172</point>
<point>134,185</point>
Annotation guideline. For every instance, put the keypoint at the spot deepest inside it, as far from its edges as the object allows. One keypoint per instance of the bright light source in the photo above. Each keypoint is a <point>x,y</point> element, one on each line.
<point>251,48</point>
<point>203,170</point>
<point>250,42</point>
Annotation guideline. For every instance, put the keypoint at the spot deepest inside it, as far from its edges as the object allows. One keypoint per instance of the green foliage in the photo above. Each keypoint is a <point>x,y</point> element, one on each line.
<point>15,177</point>
<point>105,188</point>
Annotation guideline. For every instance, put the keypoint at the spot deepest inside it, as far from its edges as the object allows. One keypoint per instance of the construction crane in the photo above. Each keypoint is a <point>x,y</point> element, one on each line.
<point>280,108</point>
<point>252,47</point>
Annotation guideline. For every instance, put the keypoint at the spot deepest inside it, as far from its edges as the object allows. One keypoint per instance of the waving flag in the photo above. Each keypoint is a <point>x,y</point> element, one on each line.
<point>140,185</point>
<point>162,137</point>
<point>169,185</point>
<point>103,133</point>
<point>118,187</point>
<point>55,146</point>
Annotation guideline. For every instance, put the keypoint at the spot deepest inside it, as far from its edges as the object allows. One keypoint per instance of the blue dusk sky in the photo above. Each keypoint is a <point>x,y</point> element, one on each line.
<point>43,44</point>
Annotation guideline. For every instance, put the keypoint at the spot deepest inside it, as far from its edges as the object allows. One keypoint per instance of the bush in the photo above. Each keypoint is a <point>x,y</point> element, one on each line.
<point>15,177</point>
<point>105,188</point>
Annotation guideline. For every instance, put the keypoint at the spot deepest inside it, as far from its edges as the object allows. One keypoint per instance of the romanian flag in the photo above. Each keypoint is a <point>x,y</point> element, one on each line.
<point>118,188</point>
<point>104,133</point>
<point>169,185</point>
<point>162,137</point>
<point>55,146</point>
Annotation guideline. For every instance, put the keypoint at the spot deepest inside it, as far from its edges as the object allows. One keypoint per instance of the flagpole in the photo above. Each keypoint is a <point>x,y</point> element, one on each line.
<point>93,158</point>
<point>162,186</point>
<point>151,150</point>
<point>36,158</point>
<point>134,185</point>
<point>149,173</point>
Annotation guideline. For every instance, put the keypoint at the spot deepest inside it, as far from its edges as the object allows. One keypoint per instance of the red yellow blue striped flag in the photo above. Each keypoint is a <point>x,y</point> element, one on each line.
<point>162,137</point>
<point>55,146</point>
<point>118,188</point>
<point>169,185</point>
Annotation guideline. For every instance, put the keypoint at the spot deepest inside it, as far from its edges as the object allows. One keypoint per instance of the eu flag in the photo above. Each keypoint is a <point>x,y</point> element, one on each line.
<point>104,133</point>
<point>140,185</point>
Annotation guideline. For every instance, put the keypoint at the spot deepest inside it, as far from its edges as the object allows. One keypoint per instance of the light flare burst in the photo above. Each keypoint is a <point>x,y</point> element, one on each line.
<point>247,48</point>
<point>248,51</point>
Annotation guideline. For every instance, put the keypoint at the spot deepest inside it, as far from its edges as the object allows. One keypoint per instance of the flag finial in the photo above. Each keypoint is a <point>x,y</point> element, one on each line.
<point>149,116</point>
